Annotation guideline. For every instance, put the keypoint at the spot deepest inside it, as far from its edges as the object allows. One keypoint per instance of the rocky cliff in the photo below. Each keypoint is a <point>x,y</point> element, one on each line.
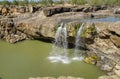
<point>101,39</point>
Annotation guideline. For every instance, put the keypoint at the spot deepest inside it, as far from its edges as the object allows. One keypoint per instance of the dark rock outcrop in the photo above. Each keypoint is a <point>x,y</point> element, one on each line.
<point>49,11</point>
<point>54,10</point>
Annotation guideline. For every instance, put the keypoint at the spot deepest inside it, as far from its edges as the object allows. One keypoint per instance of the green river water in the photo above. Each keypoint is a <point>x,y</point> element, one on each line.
<point>29,59</point>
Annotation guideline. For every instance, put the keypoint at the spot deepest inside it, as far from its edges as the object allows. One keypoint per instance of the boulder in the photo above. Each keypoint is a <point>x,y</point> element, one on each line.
<point>117,72</point>
<point>116,40</point>
<point>104,34</point>
<point>49,11</point>
<point>117,66</point>
<point>117,11</point>
<point>115,28</point>
<point>22,9</point>
<point>4,11</point>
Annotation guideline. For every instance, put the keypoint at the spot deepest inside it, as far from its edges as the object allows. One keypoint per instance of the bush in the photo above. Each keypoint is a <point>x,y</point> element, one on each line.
<point>105,2</point>
<point>5,2</point>
<point>47,2</point>
<point>74,2</point>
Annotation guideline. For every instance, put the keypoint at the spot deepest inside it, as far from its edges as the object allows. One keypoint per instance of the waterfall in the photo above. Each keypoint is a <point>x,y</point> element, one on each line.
<point>59,48</point>
<point>78,43</point>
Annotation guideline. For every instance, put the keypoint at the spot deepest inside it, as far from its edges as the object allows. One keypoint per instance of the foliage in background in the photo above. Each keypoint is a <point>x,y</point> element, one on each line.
<point>51,2</point>
<point>105,2</point>
<point>78,2</point>
<point>46,2</point>
<point>5,2</point>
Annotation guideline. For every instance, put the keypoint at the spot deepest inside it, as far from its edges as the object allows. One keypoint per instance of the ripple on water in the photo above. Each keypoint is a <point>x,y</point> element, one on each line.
<point>59,58</point>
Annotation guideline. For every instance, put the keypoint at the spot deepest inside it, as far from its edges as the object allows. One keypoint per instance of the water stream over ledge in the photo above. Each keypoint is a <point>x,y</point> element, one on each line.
<point>96,19</point>
<point>29,59</point>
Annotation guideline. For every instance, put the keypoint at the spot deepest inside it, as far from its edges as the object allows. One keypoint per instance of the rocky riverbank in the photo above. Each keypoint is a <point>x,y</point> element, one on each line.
<point>61,77</point>
<point>101,39</point>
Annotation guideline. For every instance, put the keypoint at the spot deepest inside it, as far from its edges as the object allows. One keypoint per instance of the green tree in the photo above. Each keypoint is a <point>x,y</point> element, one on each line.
<point>32,2</point>
<point>47,2</point>
<point>26,2</point>
<point>62,1</point>
<point>5,2</point>
<point>74,2</point>
<point>15,2</point>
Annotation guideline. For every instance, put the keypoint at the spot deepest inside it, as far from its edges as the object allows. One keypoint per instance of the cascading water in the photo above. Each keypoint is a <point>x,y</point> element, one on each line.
<point>78,43</point>
<point>59,49</point>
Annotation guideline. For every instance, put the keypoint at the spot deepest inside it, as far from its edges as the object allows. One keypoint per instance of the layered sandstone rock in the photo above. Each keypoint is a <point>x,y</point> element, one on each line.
<point>49,11</point>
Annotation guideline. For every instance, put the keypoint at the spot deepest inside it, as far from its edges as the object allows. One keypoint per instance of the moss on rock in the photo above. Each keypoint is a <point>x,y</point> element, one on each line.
<point>92,59</point>
<point>89,32</point>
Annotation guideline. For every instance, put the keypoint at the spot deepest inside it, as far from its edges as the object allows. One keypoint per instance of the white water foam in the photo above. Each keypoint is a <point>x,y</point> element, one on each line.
<point>62,59</point>
<point>59,49</point>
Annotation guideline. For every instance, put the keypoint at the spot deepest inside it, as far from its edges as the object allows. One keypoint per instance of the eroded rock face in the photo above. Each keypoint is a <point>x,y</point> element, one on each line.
<point>116,40</point>
<point>101,39</point>
<point>49,11</point>
<point>115,28</point>
<point>106,46</point>
<point>9,32</point>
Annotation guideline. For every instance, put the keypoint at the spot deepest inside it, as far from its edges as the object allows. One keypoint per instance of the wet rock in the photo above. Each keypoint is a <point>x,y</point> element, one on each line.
<point>92,59</point>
